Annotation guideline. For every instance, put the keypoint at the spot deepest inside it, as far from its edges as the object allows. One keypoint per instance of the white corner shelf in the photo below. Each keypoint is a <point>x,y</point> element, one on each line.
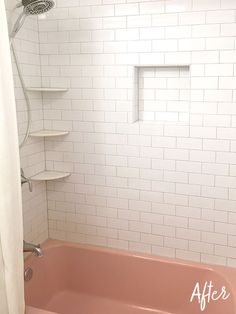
<point>50,175</point>
<point>46,89</point>
<point>48,133</point>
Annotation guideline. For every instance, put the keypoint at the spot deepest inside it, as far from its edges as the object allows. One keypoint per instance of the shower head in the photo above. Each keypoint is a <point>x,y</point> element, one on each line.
<point>35,7</point>
<point>30,7</point>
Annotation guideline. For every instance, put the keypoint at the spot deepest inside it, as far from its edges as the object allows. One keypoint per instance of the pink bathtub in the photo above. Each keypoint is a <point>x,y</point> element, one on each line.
<point>77,279</point>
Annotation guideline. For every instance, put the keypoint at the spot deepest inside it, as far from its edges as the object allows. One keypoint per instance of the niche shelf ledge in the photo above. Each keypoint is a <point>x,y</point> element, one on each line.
<point>50,175</point>
<point>48,133</point>
<point>46,89</point>
<point>168,65</point>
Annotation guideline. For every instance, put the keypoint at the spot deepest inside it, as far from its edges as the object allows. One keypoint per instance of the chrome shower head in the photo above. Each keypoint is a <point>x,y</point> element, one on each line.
<point>36,7</point>
<point>30,7</point>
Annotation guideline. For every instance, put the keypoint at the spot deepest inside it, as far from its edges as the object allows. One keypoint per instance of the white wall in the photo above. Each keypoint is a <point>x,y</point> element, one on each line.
<point>157,188</point>
<point>161,188</point>
<point>32,155</point>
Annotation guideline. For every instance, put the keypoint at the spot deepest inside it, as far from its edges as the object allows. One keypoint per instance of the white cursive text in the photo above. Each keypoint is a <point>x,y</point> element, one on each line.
<point>208,294</point>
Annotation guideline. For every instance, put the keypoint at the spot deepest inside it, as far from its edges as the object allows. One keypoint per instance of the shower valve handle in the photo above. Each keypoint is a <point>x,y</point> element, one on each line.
<point>26,180</point>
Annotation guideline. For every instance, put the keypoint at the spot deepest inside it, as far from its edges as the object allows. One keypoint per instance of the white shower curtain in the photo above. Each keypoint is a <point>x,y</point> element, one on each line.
<point>11,233</point>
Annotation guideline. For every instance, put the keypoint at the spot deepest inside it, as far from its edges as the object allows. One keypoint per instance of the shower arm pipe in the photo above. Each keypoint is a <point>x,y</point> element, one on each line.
<point>24,92</point>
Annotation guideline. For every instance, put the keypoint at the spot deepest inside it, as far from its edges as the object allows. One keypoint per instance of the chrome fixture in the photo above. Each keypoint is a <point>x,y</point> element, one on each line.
<point>25,180</point>
<point>29,247</point>
<point>30,7</point>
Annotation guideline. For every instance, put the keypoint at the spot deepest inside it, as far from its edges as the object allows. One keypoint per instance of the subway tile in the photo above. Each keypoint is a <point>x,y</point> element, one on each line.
<point>216,145</point>
<point>201,247</point>
<point>188,166</point>
<point>152,7</point>
<point>221,43</point>
<point>166,189</point>
<point>159,250</point>
<point>90,24</point>
<point>152,197</point>
<point>176,154</point>
<point>165,19</point>
<point>225,251</point>
<point>102,10</point>
<point>188,189</point>
<point>206,30</point>
<point>188,234</point>
<point>140,247</point>
<point>148,33</point>
<point>216,16</point>
<point>178,31</point>
<point>186,211</point>
<point>178,5</point>
<point>161,186</point>
<point>139,21</point>
<point>214,215</point>
<point>206,56</point>
<point>129,235</point>
<point>201,179</point>
<point>207,191</point>
<point>114,22</point>
<point>192,18</point>
<point>163,230</point>
<point>126,9</point>
<point>201,225</point>
<point>129,215</point>
<point>176,243</point>
<point>215,238</point>
<point>206,5</point>
<point>177,199</point>
<point>140,226</point>
<point>128,34</point>
<point>151,239</point>
<point>191,44</point>
<point>174,176</point>
<point>176,221</point>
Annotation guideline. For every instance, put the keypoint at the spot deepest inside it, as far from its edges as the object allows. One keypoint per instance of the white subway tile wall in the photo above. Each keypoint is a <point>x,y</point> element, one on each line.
<point>150,186</point>
<point>153,186</point>
<point>32,154</point>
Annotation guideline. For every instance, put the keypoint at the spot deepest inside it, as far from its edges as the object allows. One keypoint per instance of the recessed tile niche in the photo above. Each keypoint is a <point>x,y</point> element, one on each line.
<point>162,94</point>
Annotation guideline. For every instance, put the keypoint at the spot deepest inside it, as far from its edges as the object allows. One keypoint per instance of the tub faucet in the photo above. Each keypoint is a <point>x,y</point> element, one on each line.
<point>29,247</point>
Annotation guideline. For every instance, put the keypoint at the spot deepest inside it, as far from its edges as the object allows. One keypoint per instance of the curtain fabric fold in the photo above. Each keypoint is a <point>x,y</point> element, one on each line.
<point>11,227</point>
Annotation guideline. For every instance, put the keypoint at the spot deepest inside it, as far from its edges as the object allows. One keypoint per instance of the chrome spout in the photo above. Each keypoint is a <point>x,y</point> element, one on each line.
<point>29,247</point>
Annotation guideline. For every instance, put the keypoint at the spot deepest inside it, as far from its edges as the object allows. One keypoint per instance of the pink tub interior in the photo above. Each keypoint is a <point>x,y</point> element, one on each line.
<point>75,279</point>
